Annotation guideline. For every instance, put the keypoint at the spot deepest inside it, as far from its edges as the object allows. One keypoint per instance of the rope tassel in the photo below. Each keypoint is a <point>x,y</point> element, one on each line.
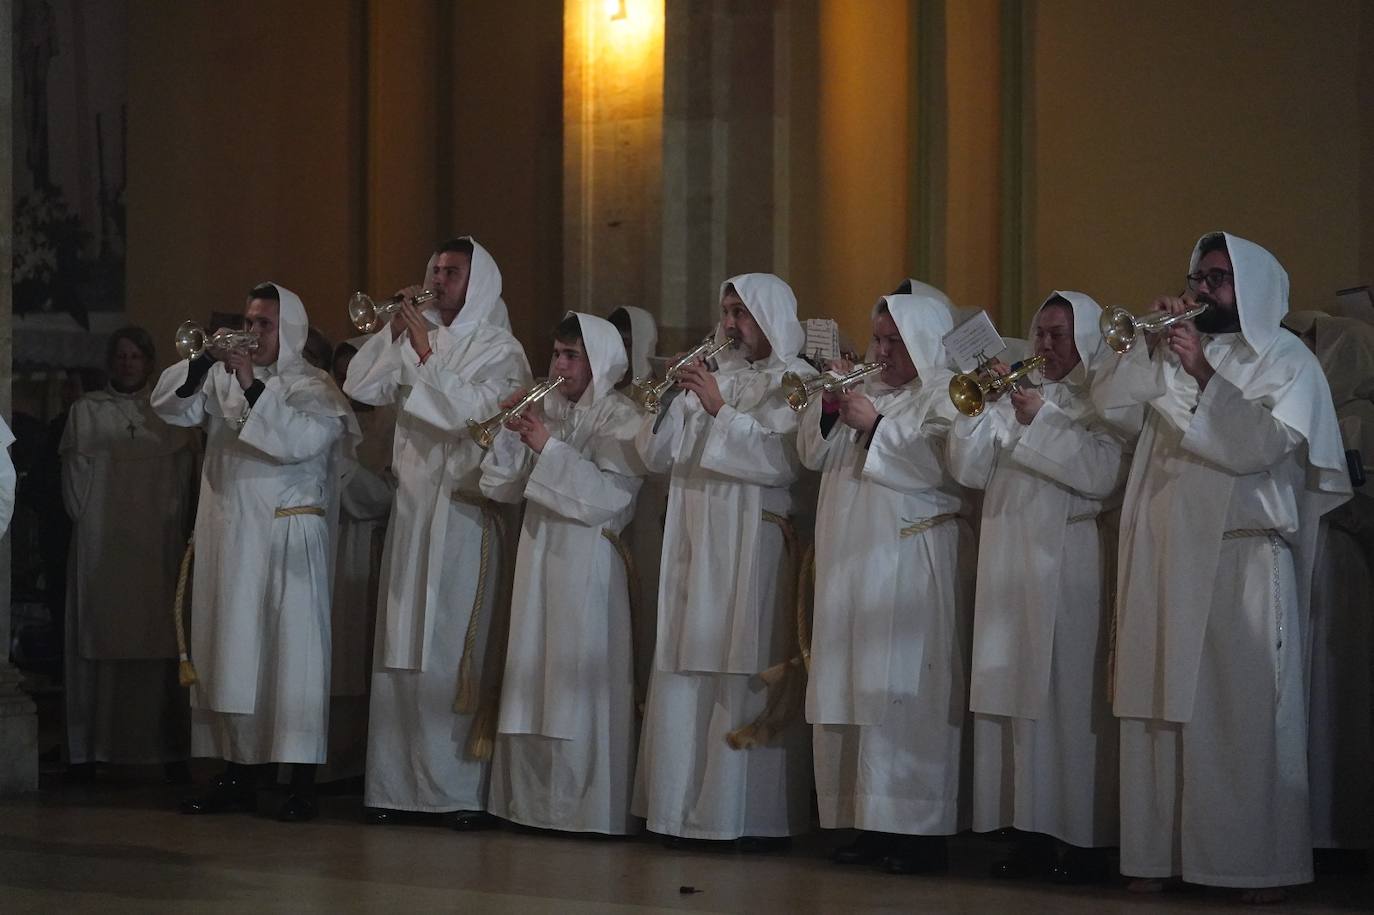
<point>186,671</point>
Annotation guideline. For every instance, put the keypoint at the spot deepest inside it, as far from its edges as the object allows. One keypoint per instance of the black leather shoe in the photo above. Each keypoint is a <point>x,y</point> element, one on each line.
<point>1032,858</point>
<point>380,816</point>
<point>1081,865</point>
<point>297,809</point>
<point>176,773</point>
<point>868,848</point>
<point>917,855</point>
<point>226,794</point>
<point>757,845</point>
<point>473,820</point>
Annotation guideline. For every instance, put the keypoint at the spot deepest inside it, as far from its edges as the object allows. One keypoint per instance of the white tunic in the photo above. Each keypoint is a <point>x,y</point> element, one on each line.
<point>725,614</point>
<point>364,506</point>
<point>889,649</point>
<point>1045,740</point>
<point>567,737</point>
<point>260,611</point>
<point>417,757</point>
<point>127,483</point>
<point>1209,657</point>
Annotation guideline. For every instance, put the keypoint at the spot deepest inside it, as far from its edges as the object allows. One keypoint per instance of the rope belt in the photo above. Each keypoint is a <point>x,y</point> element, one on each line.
<point>786,680</point>
<point>465,700</point>
<point>632,585</point>
<point>296,510</point>
<point>1275,542</point>
<point>920,527</point>
<point>1086,516</point>
<point>1243,532</point>
<point>186,671</point>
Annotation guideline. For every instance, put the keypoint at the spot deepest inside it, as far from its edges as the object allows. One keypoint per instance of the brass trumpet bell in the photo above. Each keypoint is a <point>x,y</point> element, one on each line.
<point>484,433</point>
<point>801,391</point>
<point>970,390</point>
<point>192,340</point>
<point>649,393</point>
<point>1120,329</point>
<point>369,316</point>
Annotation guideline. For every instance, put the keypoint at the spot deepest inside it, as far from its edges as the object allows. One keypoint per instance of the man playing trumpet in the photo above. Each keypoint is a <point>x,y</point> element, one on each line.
<point>1238,458</point>
<point>566,740</point>
<point>279,436</point>
<point>724,599</point>
<point>887,693</point>
<point>451,363</point>
<point>1044,739</point>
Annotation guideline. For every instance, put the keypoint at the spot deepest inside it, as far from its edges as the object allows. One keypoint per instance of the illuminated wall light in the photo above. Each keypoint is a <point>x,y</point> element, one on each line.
<point>616,10</point>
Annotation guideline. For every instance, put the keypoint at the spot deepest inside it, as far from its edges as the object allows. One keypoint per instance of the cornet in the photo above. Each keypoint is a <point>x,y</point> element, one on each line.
<point>801,391</point>
<point>369,316</point>
<point>484,433</point>
<point>649,394</point>
<point>191,340</point>
<point>970,390</point>
<point>1120,328</point>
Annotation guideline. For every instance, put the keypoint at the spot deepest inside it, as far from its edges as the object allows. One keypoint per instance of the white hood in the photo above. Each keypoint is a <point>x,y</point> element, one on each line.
<point>606,354</point>
<point>643,338</point>
<point>1087,333</point>
<point>774,308</point>
<point>483,304</point>
<point>923,322</point>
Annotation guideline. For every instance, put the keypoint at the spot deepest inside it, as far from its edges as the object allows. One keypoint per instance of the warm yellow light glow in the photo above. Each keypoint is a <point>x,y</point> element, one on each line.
<point>615,9</point>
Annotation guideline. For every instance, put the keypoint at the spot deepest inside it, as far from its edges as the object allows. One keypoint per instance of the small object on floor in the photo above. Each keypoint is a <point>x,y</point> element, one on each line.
<point>868,848</point>
<point>473,821</point>
<point>298,808</point>
<point>917,855</point>
<point>757,845</point>
<point>687,890</point>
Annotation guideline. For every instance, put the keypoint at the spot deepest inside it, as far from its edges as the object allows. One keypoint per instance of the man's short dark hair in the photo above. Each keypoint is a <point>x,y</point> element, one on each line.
<point>1214,242</point>
<point>569,330</point>
<point>882,306</point>
<point>138,337</point>
<point>620,320</point>
<point>264,291</point>
<point>1057,300</point>
<point>903,289</point>
<point>455,245</point>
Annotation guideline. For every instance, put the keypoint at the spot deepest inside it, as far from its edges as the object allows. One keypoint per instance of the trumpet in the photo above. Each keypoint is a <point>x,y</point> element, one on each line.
<point>484,433</point>
<point>970,390</point>
<point>801,391</point>
<point>649,394</point>
<point>1120,328</point>
<point>369,316</point>
<point>192,340</point>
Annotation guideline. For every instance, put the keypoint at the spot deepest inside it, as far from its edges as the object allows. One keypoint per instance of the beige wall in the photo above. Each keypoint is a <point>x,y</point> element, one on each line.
<point>1157,123</point>
<point>328,145</point>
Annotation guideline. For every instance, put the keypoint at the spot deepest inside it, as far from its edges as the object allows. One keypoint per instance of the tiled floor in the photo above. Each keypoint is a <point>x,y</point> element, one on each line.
<point>121,847</point>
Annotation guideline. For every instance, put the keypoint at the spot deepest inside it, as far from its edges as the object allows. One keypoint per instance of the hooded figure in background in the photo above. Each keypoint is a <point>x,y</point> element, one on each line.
<point>280,439</point>
<point>1341,631</point>
<point>728,439</point>
<point>645,534</point>
<point>1238,458</point>
<point>444,557</point>
<point>889,651</point>
<point>1045,740</point>
<point>566,739</point>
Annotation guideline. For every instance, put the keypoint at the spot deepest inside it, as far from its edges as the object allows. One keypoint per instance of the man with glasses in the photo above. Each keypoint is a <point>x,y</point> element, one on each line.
<point>1238,457</point>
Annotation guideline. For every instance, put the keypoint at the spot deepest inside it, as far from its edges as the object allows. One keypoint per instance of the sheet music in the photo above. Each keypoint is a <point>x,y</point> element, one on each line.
<point>973,341</point>
<point>822,339</point>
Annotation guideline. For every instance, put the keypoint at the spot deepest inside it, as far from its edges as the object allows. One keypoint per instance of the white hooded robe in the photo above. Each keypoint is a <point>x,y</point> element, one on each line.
<point>1218,531</point>
<point>888,690</point>
<point>566,741</point>
<point>725,596</point>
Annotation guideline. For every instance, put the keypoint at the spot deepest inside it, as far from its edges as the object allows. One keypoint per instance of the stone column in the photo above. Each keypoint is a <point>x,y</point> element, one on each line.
<point>722,103</point>
<point>18,717</point>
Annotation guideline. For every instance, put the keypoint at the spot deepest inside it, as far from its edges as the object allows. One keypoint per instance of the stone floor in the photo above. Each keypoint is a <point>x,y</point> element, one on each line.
<point>119,846</point>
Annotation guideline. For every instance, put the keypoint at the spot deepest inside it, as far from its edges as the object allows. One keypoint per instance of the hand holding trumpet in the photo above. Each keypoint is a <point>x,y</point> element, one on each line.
<point>698,379</point>
<point>1184,340</point>
<point>529,425</point>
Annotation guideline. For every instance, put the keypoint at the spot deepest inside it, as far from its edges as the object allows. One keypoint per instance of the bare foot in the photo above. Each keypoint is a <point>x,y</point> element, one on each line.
<point>1266,895</point>
<point>1145,885</point>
